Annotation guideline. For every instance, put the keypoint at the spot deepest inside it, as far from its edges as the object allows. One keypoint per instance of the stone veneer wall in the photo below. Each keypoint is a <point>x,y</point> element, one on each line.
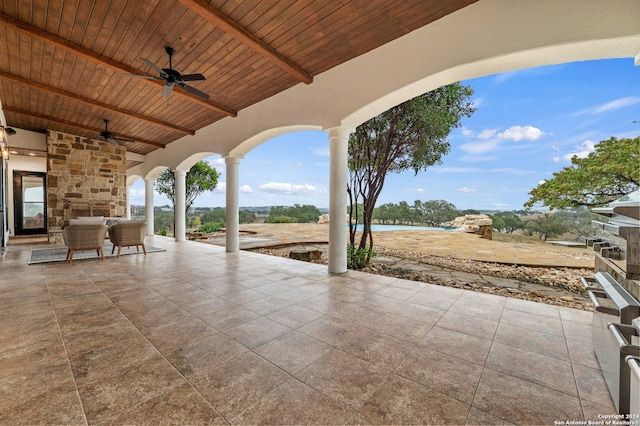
<point>83,171</point>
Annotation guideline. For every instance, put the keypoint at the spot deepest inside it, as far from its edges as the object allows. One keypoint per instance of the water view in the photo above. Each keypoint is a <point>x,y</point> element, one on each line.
<point>382,228</point>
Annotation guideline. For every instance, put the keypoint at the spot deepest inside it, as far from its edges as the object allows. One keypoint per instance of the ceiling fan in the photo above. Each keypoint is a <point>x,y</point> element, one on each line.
<point>110,137</point>
<point>171,76</point>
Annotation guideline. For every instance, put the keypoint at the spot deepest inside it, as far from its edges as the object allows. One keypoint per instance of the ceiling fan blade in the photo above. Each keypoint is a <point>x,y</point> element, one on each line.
<point>166,90</point>
<point>192,77</point>
<point>152,65</point>
<point>148,77</point>
<point>194,91</point>
<point>122,139</point>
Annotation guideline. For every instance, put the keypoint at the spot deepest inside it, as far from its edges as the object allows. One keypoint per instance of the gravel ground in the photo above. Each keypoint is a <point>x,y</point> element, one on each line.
<point>555,286</point>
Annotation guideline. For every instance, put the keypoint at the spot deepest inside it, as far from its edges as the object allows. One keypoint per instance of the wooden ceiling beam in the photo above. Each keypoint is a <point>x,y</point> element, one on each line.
<point>89,55</point>
<point>73,97</point>
<point>226,24</point>
<point>97,130</point>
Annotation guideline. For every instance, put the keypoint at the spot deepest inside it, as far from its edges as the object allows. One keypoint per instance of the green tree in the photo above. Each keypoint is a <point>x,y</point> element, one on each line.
<point>215,215</point>
<point>200,178</point>
<point>509,221</point>
<point>578,221</point>
<point>219,215</point>
<point>497,222</point>
<point>547,225</point>
<point>605,175</point>
<point>438,212</point>
<point>410,136</point>
<point>295,214</point>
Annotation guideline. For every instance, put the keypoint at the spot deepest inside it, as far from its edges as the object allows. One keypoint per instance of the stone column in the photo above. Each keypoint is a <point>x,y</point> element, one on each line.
<point>128,204</point>
<point>233,216</point>
<point>180,192</point>
<point>148,204</point>
<point>339,143</point>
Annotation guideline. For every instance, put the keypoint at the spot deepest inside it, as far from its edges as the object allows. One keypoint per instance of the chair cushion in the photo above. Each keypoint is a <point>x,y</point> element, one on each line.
<point>94,220</point>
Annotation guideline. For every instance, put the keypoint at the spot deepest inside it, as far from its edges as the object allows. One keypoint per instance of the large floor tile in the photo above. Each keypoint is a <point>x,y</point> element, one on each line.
<point>522,402</point>
<point>347,380</point>
<point>461,345</point>
<point>401,402</point>
<point>544,370</point>
<point>444,373</point>
<point>293,403</point>
<point>293,351</point>
<point>238,383</point>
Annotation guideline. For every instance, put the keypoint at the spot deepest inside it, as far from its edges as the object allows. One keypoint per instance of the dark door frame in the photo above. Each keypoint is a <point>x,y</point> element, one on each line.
<point>17,203</point>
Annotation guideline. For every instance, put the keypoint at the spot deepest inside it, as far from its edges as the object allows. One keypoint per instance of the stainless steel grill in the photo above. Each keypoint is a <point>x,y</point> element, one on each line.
<point>634,389</point>
<point>615,293</point>
<point>617,241</point>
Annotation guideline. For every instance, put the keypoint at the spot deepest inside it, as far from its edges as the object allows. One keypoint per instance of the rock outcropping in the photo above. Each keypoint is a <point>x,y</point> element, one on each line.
<point>479,224</point>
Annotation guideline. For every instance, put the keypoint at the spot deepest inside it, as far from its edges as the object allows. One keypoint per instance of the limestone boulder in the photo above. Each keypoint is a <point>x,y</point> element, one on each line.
<point>479,224</point>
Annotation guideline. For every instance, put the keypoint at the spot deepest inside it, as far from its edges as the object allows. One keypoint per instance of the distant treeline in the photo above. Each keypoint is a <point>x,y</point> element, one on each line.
<point>434,213</point>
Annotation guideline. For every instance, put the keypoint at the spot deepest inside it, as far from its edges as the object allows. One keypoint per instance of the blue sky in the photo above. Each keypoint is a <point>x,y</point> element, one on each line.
<point>527,125</point>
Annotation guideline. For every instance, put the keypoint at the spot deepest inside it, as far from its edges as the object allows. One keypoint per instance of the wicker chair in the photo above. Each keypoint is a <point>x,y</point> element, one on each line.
<point>84,237</point>
<point>128,234</point>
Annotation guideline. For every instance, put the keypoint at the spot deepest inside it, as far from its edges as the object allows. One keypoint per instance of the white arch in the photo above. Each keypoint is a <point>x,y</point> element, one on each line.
<point>246,146</point>
<point>486,37</point>
<point>188,162</point>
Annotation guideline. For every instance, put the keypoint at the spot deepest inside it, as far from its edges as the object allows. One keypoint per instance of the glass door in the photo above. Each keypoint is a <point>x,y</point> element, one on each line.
<point>30,203</point>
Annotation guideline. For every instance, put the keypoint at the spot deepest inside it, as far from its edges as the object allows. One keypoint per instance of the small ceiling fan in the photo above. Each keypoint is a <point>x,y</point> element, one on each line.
<point>110,137</point>
<point>171,76</point>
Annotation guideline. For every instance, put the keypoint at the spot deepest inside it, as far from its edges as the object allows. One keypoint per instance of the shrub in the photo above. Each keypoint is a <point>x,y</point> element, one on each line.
<point>211,227</point>
<point>358,258</point>
<point>281,219</point>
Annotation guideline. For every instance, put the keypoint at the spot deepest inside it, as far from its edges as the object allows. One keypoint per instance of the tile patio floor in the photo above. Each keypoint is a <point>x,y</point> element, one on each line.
<point>196,336</point>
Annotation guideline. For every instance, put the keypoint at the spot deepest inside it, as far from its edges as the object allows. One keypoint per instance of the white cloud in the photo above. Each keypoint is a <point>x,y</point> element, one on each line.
<point>222,187</point>
<point>455,170</point>
<point>499,205</point>
<point>217,162</point>
<point>491,139</point>
<point>480,147</point>
<point>465,189</point>
<point>288,188</point>
<point>488,133</point>
<point>136,196</point>
<point>584,149</point>
<point>617,104</point>
<point>467,132</point>
<point>540,182</point>
<point>511,171</point>
<point>419,190</point>
<point>518,133</point>
<point>299,164</point>
<point>475,103</point>
<point>477,158</point>
<point>556,159</point>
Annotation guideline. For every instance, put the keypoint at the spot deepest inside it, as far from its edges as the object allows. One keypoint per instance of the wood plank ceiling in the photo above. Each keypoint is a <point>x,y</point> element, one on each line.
<point>62,61</point>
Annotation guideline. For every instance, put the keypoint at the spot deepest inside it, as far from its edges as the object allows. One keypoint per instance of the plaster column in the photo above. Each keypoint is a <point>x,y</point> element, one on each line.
<point>339,143</point>
<point>180,192</point>
<point>148,204</point>
<point>128,205</point>
<point>233,216</point>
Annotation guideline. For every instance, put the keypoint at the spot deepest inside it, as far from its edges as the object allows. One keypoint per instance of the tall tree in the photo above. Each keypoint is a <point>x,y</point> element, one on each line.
<point>605,175</point>
<point>438,212</point>
<point>410,136</point>
<point>547,225</point>
<point>200,178</point>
